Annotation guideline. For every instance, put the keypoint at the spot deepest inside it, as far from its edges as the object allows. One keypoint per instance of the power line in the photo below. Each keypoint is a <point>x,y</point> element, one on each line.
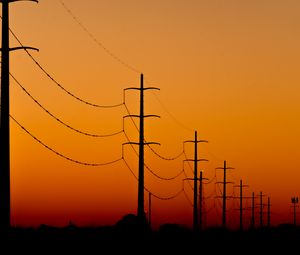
<point>186,158</point>
<point>58,84</point>
<point>96,40</point>
<point>114,56</point>
<point>158,197</point>
<point>59,120</point>
<point>148,168</point>
<point>170,114</point>
<point>188,179</point>
<point>187,197</point>
<point>61,155</point>
<point>76,19</point>
<point>163,178</point>
<point>157,154</point>
<point>165,158</point>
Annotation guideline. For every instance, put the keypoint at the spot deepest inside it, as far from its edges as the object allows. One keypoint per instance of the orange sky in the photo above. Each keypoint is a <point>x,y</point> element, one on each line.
<point>225,68</point>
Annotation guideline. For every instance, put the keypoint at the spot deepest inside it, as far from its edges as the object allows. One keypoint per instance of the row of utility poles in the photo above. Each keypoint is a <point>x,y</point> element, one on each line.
<point>198,200</point>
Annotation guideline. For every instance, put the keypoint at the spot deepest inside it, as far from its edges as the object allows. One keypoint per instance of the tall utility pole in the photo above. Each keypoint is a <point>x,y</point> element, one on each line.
<point>261,205</point>
<point>241,186</point>
<point>225,168</point>
<point>201,200</point>
<point>4,118</point>
<point>196,160</point>
<point>253,207</point>
<point>141,143</point>
<point>294,201</point>
<point>269,212</point>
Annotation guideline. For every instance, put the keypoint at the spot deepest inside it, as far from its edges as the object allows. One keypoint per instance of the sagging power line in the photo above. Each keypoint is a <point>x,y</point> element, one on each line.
<point>118,59</point>
<point>61,121</point>
<point>60,154</point>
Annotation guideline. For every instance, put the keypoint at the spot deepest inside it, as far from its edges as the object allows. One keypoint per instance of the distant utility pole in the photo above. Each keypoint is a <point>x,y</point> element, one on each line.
<point>269,212</point>
<point>241,186</point>
<point>225,168</point>
<point>4,118</point>
<point>196,160</point>
<point>141,143</point>
<point>253,207</point>
<point>294,201</point>
<point>261,205</point>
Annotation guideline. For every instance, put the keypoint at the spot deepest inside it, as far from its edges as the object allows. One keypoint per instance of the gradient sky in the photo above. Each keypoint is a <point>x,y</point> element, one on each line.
<point>228,69</point>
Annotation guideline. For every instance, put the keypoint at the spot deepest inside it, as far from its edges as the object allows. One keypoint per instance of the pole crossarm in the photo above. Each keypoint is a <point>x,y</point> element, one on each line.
<point>21,48</point>
<point>198,179</point>
<point>135,88</point>
<point>146,143</point>
<point>198,141</point>
<point>225,182</point>
<point>11,1</point>
<point>138,116</point>
<point>198,160</point>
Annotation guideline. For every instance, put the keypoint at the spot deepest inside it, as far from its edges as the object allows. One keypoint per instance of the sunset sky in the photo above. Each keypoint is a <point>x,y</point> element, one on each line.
<point>226,68</point>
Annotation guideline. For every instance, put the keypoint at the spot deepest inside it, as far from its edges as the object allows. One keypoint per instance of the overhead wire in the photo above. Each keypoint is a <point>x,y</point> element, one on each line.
<point>148,145</point>
<point>61,155</point>
<point>148,168</point>
<point>59,120</point>
<point>187,197</point>
<point>58,84</point>
<point>118,59</point>
<point>96,40</point>
<point>153,194</point>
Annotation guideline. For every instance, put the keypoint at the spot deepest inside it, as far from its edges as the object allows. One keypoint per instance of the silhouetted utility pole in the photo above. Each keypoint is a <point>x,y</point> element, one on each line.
<point>253,207</point>
<point>201,200</point>
<point>269,212</point>
<point>141,143</point>
<point>294,202</point>
<point>241,186</point>
<point>196,160</point>
<point>261,205</point>
<point>4,118</point>
<point>225,168</point>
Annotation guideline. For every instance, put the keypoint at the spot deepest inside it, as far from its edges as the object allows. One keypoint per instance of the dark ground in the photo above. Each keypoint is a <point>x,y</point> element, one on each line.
<point>127,237</point>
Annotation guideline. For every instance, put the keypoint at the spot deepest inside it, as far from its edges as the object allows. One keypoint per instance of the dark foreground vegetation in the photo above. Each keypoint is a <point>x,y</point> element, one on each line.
<point>129,236</point>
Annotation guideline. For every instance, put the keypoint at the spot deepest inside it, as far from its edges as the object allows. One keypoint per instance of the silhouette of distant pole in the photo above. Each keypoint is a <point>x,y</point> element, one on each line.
<point>269,212</point>
<point>149,216</point>
<point>241,186</point>
<point>140,210</point>
<point>253,211</point>
<point>224,168</point>
<point>195,179</point>
<point>294,202</point>
<point>261,209</point>
<point>224,197</point>
<point>195,182</point>
<point>4,119</point>
<point>241,205</point>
